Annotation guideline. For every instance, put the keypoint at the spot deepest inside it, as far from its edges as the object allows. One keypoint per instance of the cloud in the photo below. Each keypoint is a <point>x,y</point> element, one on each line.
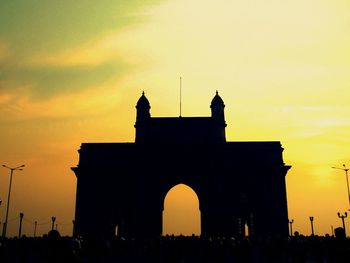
<point>91,54</point>
<point>64,47</point>
<point>91,102</point>
<point>40,25</point>
<point>42,82</point>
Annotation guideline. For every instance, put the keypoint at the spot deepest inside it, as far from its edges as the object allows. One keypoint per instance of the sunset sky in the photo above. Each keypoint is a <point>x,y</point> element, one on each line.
<point>72,72</point>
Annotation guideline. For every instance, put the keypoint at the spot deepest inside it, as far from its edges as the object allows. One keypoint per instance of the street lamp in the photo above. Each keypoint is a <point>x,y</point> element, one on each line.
<point>21,215</point>
<point>9,194</point>
<point>35,225</point>
<point>347,180</point>
<point>291,226</point>
<point>342,219</point>
<point>312,225</point>
<point>73,234</point>
<point>53,219</point>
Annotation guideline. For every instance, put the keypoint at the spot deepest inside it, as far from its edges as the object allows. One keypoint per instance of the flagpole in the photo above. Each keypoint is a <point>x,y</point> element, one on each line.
<point>180,96</point>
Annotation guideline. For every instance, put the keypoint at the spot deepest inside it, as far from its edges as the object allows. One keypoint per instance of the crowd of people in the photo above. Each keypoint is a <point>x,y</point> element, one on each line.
<point>171,249</point>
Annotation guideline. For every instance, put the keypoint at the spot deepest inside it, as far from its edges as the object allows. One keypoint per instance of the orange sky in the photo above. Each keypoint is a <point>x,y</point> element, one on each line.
<point>72,73</point>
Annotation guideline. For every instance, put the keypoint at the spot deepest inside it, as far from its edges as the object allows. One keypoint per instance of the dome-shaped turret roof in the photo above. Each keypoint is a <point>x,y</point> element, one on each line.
<point>217,100</point>
<point>143,102</point>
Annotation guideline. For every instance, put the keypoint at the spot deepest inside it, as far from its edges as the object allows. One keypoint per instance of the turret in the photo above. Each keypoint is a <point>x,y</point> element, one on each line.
<point>142,109</point>
<point>217,113</point>
<point>142,117</point>
<point>217,108</point>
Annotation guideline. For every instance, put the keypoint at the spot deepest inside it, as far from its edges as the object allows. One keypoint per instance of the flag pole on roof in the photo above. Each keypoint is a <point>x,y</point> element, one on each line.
<point>180,95</point>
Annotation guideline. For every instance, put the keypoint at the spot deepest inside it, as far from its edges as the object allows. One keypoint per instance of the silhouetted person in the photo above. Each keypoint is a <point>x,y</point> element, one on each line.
<point>339,233</point>
<point>58,249</point>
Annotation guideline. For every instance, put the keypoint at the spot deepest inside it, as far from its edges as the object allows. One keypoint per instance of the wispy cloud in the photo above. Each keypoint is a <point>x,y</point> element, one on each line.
<point>93,53</point>
<point>64,48</point>
<point>43,82</point>
<point>89,102</point>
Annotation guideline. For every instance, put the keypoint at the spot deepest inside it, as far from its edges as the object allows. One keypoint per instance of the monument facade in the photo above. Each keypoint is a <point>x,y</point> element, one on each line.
<point>240,185</point>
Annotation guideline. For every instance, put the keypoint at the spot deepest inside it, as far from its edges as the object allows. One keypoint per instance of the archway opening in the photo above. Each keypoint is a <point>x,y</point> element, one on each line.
<point>246,230</point>
<point>181,214</point>
<point>116,231</point>
<point>119,228</point>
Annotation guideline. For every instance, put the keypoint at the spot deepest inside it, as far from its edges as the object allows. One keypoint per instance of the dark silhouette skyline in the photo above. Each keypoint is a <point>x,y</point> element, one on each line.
<point>52,247</point>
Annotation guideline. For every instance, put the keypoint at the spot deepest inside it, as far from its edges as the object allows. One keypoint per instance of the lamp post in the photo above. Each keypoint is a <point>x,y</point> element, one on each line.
<point>21,215</point>
<point>53,219</point>
<point>35,225</point>
<point>347,180</point>
<point>312,224</point>
<point>291,226</point>
<point>342,219</point>
<point>73,234</point>
<point>9,195</point>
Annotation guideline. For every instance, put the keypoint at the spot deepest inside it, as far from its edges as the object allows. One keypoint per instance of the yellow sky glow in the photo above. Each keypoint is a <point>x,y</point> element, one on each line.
<point>281,67</point>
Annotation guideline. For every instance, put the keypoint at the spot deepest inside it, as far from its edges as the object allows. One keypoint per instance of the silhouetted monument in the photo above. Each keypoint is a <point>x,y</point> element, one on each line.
<point>124,185</point>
